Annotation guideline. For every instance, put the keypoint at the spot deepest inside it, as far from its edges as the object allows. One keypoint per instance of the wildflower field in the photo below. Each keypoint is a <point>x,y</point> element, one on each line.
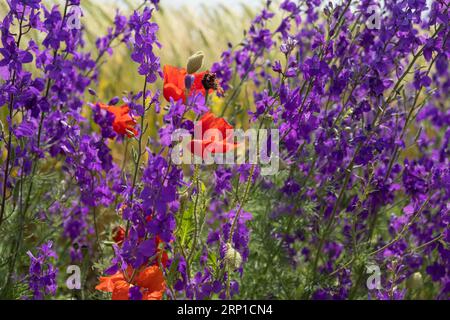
<point>289,149</point>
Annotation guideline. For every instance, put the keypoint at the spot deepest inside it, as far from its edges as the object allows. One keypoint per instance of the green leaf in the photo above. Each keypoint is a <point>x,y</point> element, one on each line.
<point>187,227</point>
<point>172,274</point>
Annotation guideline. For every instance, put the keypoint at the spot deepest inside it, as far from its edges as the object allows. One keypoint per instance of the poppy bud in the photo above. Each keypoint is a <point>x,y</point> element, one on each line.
<point>415,281</point>
<point>195,62</point>
<point>232,257</point>
<point>188,81</point>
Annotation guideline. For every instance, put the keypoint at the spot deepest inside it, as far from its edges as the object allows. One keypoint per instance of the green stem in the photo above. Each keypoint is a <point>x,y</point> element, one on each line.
<point>9,144</point>
<point>241,205</point>
<point>197,184</point>
<point>138,160</point>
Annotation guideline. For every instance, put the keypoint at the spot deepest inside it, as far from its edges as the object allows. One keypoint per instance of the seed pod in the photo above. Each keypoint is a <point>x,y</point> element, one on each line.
<point>195,62</point>
<point>232,258</point>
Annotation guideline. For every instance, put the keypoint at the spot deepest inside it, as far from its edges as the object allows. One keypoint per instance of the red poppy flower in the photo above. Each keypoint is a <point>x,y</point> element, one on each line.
<point>174,86</point>
<point>123,122</point>
<point>150,281</point>
<point>221,141</point>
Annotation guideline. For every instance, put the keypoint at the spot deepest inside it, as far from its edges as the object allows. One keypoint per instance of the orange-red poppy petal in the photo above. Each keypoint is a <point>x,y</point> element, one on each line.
<point>151,278</point>
<point>123,122</point>
<point>121,290</point>
<point>107,284</point>
<point>172,91</point>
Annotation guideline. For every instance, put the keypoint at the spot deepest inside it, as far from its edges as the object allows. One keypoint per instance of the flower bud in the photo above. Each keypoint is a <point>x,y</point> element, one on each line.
<point>188,81</point>
<point>415,281</point>
<point>287,46</point>
<point>92,92</point>
<point>195,62</point>
<point>232,258</point>
<point>113,101</point>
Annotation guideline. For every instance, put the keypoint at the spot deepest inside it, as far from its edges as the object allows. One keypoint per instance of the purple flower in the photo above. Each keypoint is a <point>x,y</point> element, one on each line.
<point>42,273</point>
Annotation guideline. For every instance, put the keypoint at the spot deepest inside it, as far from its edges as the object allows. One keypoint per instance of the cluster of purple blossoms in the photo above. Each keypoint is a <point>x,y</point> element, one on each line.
<point>42,273</point>
<point>42,86</point>
<point>337,101</point>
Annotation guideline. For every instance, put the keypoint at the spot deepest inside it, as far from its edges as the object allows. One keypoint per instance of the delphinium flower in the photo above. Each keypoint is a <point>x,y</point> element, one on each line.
<point>105,120</point>
<point>45,119</point>
<point>59,75</point>
<point>120,29</point>
<point>76,228</point>
<point>223,69</point>
<point>42,273</point>
<point>338,292</point>
<point>232,254</point>
<point>223,178</point>
<point>149,205</point>
<point>143,45</point>
<point>258,39</point>
<point>343,81</point>
<point>27,100</point>
<point>152,226</point>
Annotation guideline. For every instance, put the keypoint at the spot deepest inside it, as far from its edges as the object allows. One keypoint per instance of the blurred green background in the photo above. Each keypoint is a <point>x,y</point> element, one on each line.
<point>183,31</point>
<point>185,27</point>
